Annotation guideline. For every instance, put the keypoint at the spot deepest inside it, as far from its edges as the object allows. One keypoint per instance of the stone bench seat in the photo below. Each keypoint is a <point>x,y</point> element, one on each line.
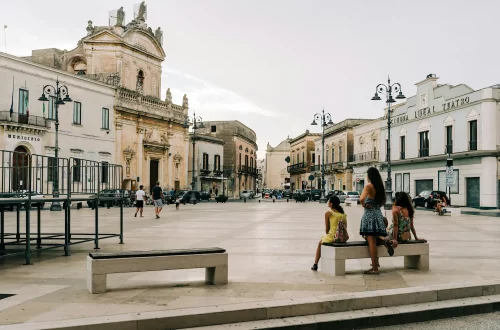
<point>334,255</point>
<point>214,260</point>
<point>453,211</point>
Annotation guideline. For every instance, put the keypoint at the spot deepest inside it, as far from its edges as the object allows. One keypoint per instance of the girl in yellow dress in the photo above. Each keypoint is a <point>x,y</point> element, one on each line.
<point>335,227</point>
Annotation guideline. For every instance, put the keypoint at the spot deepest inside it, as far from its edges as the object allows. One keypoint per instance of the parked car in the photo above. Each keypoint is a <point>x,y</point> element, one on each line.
<point>107,193</point>
<point>185,196</point>
<point>315,194</point>
<point>246,194</point>
<point>342,196</point>
<point>352,196</point>
<point>287,193</point>
<point>205,195</point>
<point>36,198</point>
<point>427,198</point>
<point>332,192</point>
<point>8,206</point>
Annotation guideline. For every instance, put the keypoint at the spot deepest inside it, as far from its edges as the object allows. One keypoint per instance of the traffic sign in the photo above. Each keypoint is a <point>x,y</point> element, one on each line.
<point>450,178</point>
<point>311,177</point>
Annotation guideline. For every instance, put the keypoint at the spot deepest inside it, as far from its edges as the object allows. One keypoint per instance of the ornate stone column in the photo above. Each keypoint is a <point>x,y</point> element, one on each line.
<point>140,153</point>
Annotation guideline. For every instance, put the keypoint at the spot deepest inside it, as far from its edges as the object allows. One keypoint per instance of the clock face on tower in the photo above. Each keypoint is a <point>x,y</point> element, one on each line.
<point>423,101</point>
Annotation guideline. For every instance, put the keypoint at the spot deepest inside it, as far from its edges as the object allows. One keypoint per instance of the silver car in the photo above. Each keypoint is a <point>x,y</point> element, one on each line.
<point>352,196</point>
<point>246,194</point>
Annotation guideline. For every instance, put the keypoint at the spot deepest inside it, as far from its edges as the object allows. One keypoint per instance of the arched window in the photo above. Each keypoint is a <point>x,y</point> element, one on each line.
<point>140,81</point>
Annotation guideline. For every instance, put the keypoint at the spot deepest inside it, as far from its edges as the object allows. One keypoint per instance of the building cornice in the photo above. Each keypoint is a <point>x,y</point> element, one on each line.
<point>59,73</point>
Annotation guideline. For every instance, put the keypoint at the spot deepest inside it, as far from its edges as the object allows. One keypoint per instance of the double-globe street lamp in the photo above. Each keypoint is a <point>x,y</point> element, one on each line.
<point>196,122</point>
<point>61,95</point>
<point>325,119</point>
<point>388,90</point>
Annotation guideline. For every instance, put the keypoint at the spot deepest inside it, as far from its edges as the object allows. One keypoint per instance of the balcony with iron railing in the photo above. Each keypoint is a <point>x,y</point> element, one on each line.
<point>472,145</point>
<point>448,148</point>
<point>112,79</point>
<point>297,168</point>
<point>328,167</point>
<point>423,152</point>
<point>24,119</point>
<point>217,171</point>
<point>248,170</point>
<point>205,171</point>
<point>364,157</point>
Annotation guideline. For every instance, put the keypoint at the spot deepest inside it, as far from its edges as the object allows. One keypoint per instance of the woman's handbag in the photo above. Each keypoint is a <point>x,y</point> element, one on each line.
<point>404,236</point>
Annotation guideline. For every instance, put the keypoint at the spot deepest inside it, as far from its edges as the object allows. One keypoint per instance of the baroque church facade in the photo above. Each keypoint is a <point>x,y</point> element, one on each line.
<point>151,141</point>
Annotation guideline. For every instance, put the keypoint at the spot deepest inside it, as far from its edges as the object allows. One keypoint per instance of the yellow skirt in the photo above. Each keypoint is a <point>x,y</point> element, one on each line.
<point>328,238</point>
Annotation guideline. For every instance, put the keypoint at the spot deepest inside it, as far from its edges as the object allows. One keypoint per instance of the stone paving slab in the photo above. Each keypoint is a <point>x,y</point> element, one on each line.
<point>271,248</point>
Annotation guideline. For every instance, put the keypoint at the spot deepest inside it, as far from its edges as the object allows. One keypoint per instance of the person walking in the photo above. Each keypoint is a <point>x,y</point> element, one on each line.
<point>372,222</point>
<point>335,227</point>
<point>140,198</point>
<point>158,199</point>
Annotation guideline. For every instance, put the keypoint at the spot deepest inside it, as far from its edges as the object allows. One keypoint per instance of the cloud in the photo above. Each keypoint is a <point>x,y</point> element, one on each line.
<point>206,97</point>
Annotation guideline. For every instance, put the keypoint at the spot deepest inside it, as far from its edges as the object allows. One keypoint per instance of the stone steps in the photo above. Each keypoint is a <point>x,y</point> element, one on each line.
<point>327,306</point>
<point>374,317</point>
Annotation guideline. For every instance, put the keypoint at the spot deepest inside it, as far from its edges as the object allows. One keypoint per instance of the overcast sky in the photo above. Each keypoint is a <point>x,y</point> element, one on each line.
<point>272,64</point>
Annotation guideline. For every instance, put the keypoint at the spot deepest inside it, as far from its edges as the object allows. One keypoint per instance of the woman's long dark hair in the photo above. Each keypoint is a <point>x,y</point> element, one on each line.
<point>336,204</point>
<point>378,184</point>
<point>403,200</point>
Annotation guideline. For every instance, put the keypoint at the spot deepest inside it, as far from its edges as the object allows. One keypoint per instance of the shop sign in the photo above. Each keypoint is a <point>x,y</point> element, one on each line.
<point>23,137</point>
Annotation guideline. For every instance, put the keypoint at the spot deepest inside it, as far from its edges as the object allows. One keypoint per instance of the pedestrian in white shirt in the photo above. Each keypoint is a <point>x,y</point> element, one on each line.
<point>140,198</point>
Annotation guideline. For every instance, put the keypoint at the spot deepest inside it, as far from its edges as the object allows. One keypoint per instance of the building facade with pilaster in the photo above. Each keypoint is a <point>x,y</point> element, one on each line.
<point>151,141</point>
<point>441,120</point>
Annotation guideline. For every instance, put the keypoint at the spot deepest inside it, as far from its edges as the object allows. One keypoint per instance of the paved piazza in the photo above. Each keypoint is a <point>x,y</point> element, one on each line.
<point>271,249</point>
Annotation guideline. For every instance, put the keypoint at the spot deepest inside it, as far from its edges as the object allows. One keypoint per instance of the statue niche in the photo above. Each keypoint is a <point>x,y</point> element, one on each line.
<point>140,82</point>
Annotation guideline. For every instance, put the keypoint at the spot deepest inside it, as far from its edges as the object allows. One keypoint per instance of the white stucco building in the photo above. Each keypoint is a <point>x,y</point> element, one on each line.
<point>209,160</point>
<point>277,176</point>
<point>86,125</point>
<point>366,152</point>
<point>441,119</point>
<point>338,153</point>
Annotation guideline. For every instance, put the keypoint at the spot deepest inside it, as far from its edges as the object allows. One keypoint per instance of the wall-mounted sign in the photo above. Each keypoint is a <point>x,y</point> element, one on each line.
<point>399,119</point>
<point>424,112</point>
<point>455,103</point>
<point>23,137</point>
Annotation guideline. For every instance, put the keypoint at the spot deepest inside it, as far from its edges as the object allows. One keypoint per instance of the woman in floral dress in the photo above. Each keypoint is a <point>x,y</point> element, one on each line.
<point>372,223</point>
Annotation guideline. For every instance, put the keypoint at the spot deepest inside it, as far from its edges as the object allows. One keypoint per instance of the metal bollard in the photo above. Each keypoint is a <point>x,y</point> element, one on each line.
<point>244,200</point>
<point>287,200</point>
<point>274,201</point>
<point>259,200</point>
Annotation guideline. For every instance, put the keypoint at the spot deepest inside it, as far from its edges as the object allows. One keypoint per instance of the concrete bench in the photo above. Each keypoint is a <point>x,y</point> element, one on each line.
<point>334,255</point>
<point>215,260</point>
<point>453,211</point>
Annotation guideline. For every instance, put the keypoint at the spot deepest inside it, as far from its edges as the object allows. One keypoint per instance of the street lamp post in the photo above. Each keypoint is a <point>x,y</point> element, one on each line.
<point>58,92</point>
<point>197,122</point>
<point>325,119</point>
<point>388,90</point>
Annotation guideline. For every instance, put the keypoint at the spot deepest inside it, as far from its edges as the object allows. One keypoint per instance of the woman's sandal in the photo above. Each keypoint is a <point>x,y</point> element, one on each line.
<point>314,267</point>
<point>389,247</point>
<point>371,272</point>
